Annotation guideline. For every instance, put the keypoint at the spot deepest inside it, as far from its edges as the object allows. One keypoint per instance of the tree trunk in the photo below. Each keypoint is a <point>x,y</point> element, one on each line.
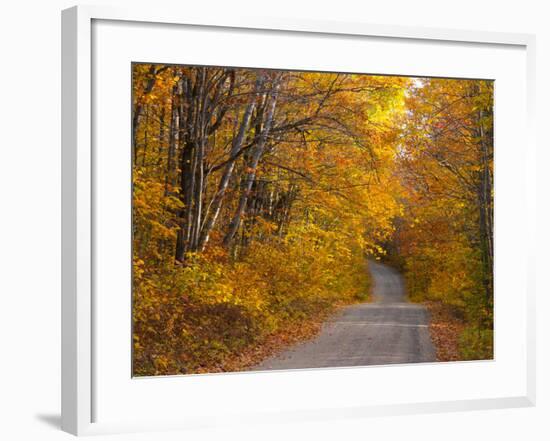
<point>252,166</point>
<point>173,136</point>
<point>216,203</point>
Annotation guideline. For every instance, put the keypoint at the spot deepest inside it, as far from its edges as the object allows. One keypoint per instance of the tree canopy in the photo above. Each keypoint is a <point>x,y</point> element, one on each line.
<point>258,193</point>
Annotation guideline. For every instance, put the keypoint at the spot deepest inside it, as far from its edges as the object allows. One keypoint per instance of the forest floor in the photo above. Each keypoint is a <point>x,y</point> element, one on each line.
<point>445,329</point>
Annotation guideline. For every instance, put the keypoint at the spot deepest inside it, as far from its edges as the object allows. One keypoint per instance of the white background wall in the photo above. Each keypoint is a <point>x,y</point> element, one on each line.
<point>30,217</point>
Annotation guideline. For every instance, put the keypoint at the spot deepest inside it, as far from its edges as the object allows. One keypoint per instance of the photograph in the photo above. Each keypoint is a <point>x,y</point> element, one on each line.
<point>286,219</point>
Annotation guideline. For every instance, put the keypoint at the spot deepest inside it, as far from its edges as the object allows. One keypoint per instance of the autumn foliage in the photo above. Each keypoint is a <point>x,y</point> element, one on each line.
<point>258,195</point>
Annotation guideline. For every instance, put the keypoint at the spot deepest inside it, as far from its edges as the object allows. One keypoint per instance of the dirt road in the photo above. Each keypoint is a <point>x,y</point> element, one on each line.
<point>388,330</point>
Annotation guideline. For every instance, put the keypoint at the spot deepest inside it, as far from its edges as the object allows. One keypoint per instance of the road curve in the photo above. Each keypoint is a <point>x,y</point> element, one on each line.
<point>389,330</point>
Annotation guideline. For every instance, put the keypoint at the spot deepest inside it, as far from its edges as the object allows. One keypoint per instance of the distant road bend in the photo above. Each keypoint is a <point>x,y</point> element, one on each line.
<point>387,331</point>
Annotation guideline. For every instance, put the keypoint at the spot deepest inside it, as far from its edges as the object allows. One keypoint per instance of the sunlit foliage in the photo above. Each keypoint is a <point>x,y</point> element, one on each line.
<point>258,195</point>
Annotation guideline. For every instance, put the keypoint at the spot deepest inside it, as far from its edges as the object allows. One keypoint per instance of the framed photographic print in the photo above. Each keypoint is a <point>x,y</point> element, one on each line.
<point>278,220</point>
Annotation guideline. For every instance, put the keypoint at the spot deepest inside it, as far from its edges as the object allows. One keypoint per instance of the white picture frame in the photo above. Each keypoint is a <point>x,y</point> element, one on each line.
<point>79,201</point>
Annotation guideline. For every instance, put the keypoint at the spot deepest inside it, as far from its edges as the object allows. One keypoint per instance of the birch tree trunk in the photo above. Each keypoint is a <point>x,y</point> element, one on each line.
<point>252,166</point>
<point>216,203</point>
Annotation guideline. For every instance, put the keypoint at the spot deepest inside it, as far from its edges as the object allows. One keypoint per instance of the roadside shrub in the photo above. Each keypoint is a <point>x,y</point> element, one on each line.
<point>476,344</point>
